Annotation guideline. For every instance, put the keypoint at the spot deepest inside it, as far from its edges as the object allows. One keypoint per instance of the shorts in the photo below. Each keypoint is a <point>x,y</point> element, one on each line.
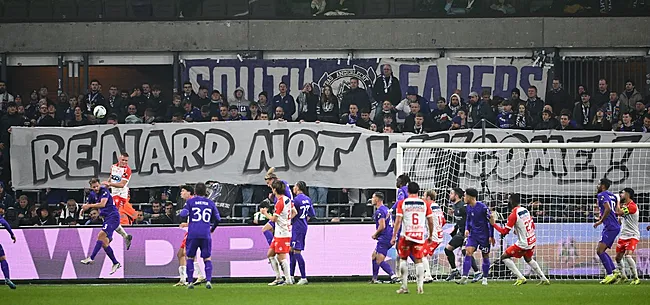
<point>205,244</point>
<point>430,247</point>
<point>2,251</point>
<point>111,223</point>
<point>382,248</point>
<point>626,245</point>
<point>608,237</point>
<point>127,212</point>
<point>517,252</point>
<point>281,245</point>
<point>483,245</point>
<point>184,243</point>
<point>298,241</point>
<point>457,241</point>
<point>408,248</point>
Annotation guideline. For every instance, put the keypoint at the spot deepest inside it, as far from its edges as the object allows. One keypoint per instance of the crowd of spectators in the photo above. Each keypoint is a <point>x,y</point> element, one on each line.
<point>604,109</point>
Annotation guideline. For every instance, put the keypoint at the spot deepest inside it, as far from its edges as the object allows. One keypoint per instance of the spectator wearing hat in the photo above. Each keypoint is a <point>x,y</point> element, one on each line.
<point>285,101</point>
<point>477,109</point>
<point>216,101</point>
<point>515,97</point>
<point>413,96</point>
<point>355,95</point>
<point>43,218</point>
<point>558,97</point>
<point>629,97</point>
<point>535,105</point>
<point>205,113</point>
<point>387,87</point>
<point>639,111</point>
<point>584,112</point>
<point>239,100</point>
<point>459,121</point>
<point>235,114</point>
<point>455,104</point>
<point>192,114</point>
<point>263,102</point>
<point>506,118</point>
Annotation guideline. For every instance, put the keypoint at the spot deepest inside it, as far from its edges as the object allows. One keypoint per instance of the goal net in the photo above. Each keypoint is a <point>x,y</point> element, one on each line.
<point>557,184</point>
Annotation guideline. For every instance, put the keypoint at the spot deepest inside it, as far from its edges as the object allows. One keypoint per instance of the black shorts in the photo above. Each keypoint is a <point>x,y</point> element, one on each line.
<point>457,241</point>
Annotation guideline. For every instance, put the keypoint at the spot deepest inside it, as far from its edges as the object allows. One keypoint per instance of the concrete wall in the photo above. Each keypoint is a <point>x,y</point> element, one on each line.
<point>370,34</point>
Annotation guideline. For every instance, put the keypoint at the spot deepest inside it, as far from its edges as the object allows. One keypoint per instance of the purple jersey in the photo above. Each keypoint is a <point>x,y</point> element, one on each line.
<point>5,224</point>
<point>203,219</point>
<point>610,223</point>
<point>402,193</point>
<point>110,209</point>
<point>305,210</point>
<point>287,191</point>
<point>385,235</point>
<point>478,222</point>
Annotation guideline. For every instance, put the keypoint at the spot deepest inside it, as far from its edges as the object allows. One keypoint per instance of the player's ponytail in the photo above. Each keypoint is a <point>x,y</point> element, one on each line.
<point>302,186</point>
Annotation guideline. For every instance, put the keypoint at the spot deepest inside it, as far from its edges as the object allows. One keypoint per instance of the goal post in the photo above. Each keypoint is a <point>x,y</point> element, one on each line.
<point>556,182</point>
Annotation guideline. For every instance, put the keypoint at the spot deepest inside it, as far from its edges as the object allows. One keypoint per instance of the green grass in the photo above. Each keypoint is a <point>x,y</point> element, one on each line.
<point>501,293</point>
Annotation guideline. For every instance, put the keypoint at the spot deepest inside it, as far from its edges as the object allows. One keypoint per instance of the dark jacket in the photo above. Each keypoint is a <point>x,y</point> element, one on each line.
<point>287,103</point>
<point>47,121</point>
<point>603,125</point>
<point>328,109</point>
<point>552,123</point>
<point>479,111</point>
<point>158,105</point>
<point>559,99</point>
<point>409,123</point>
<point>394,94</point>
<point>84,121</point>
<point>535,108</point>
<point>441,119</point>
<point>579,114</point>
<point>171,110</point>
<point>568,127</point>
<point>355,96</point>
<point>308,107</point>
<point>600,99</point>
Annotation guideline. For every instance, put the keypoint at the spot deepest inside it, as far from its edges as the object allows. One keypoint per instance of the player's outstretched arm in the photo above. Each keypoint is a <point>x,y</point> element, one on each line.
<point>5,224</point>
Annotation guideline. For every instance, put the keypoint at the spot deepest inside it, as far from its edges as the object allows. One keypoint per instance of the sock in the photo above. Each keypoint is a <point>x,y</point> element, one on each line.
<point>451,258</point>
<point>301,265</point>
<point>474,265</point>
<point>386,267</point>
<point>208,270</point>
<point>486,267</point>
<point>511,265</point>
<point>419,270</point>
<point>182,272</point>
<point>198,270</point>
<point>110,254</point>
<point>5,269</point>
<point>630,262</point>
<point>425,264</point>
<point>285,267</point>
<point>375,269</point>
<point>535,266</point>
<point>403,267</point>
<point>269,236</point>
<point>467,263</point>
<point>275,266</point>
<point>121,231</point>
<point>606,260</point>
<point>620,265</point>
<point>292,263</point>
<point>398,267</point>
<point>190,270</point>
<point>98,246</point>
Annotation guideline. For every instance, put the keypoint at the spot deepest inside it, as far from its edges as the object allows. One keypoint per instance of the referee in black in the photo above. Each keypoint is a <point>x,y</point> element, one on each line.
<point>458,235</point>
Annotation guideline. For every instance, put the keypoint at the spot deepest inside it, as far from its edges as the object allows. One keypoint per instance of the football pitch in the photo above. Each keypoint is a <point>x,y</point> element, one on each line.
<point>498,292</point>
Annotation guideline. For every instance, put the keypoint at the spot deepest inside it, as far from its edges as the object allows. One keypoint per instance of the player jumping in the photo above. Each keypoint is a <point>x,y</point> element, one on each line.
<point>630,233</point>
<point>3,259</point>
<point>458,235</point>
<point>522,222</point>
<point>435,240</point>
<point>412,214</point>
<point>280,246</point>
<point>182,263</point>
<point>100,198</point>
<point>383,233</point>
<point>611,228</point>
<point>305,211</point>
<point>479,233</point>
<point>201,224</point>
<point>118,181</point>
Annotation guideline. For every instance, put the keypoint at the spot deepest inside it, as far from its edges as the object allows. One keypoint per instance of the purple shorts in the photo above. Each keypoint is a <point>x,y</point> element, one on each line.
<point>111,223</point>
<point>298,241</point>
<point>481,245</point>
<point>608,237</point>
<point>382,248</point>
<point>2,251</point>
<point>205,244</point>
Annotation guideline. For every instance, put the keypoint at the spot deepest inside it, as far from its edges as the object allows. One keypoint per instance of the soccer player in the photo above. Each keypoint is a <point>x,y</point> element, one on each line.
<point>100,198</point>
<point>479,233</point>
<point>458,235</point>
<point>182,263</point>
<point>412,214</point>
<point>305,211</point>
<point>402,193</point>
<point>383,233</point>
<point>118,182</point>
<point>269,228</point>
<point>630,233</point>
<point>522,222</point>
<point>201,224</point>
<point>435,240</point>
<point>3,259</point>
<point>280,246</point>
<point>611,228</point>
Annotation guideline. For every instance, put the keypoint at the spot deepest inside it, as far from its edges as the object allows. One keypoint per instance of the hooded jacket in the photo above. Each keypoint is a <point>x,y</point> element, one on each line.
<point>242,103</point>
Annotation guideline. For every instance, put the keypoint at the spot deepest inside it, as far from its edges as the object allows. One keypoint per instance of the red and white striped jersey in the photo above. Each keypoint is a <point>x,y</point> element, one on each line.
<point>283,207</point>
<point>414,212</point>
<point>522,223</point>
